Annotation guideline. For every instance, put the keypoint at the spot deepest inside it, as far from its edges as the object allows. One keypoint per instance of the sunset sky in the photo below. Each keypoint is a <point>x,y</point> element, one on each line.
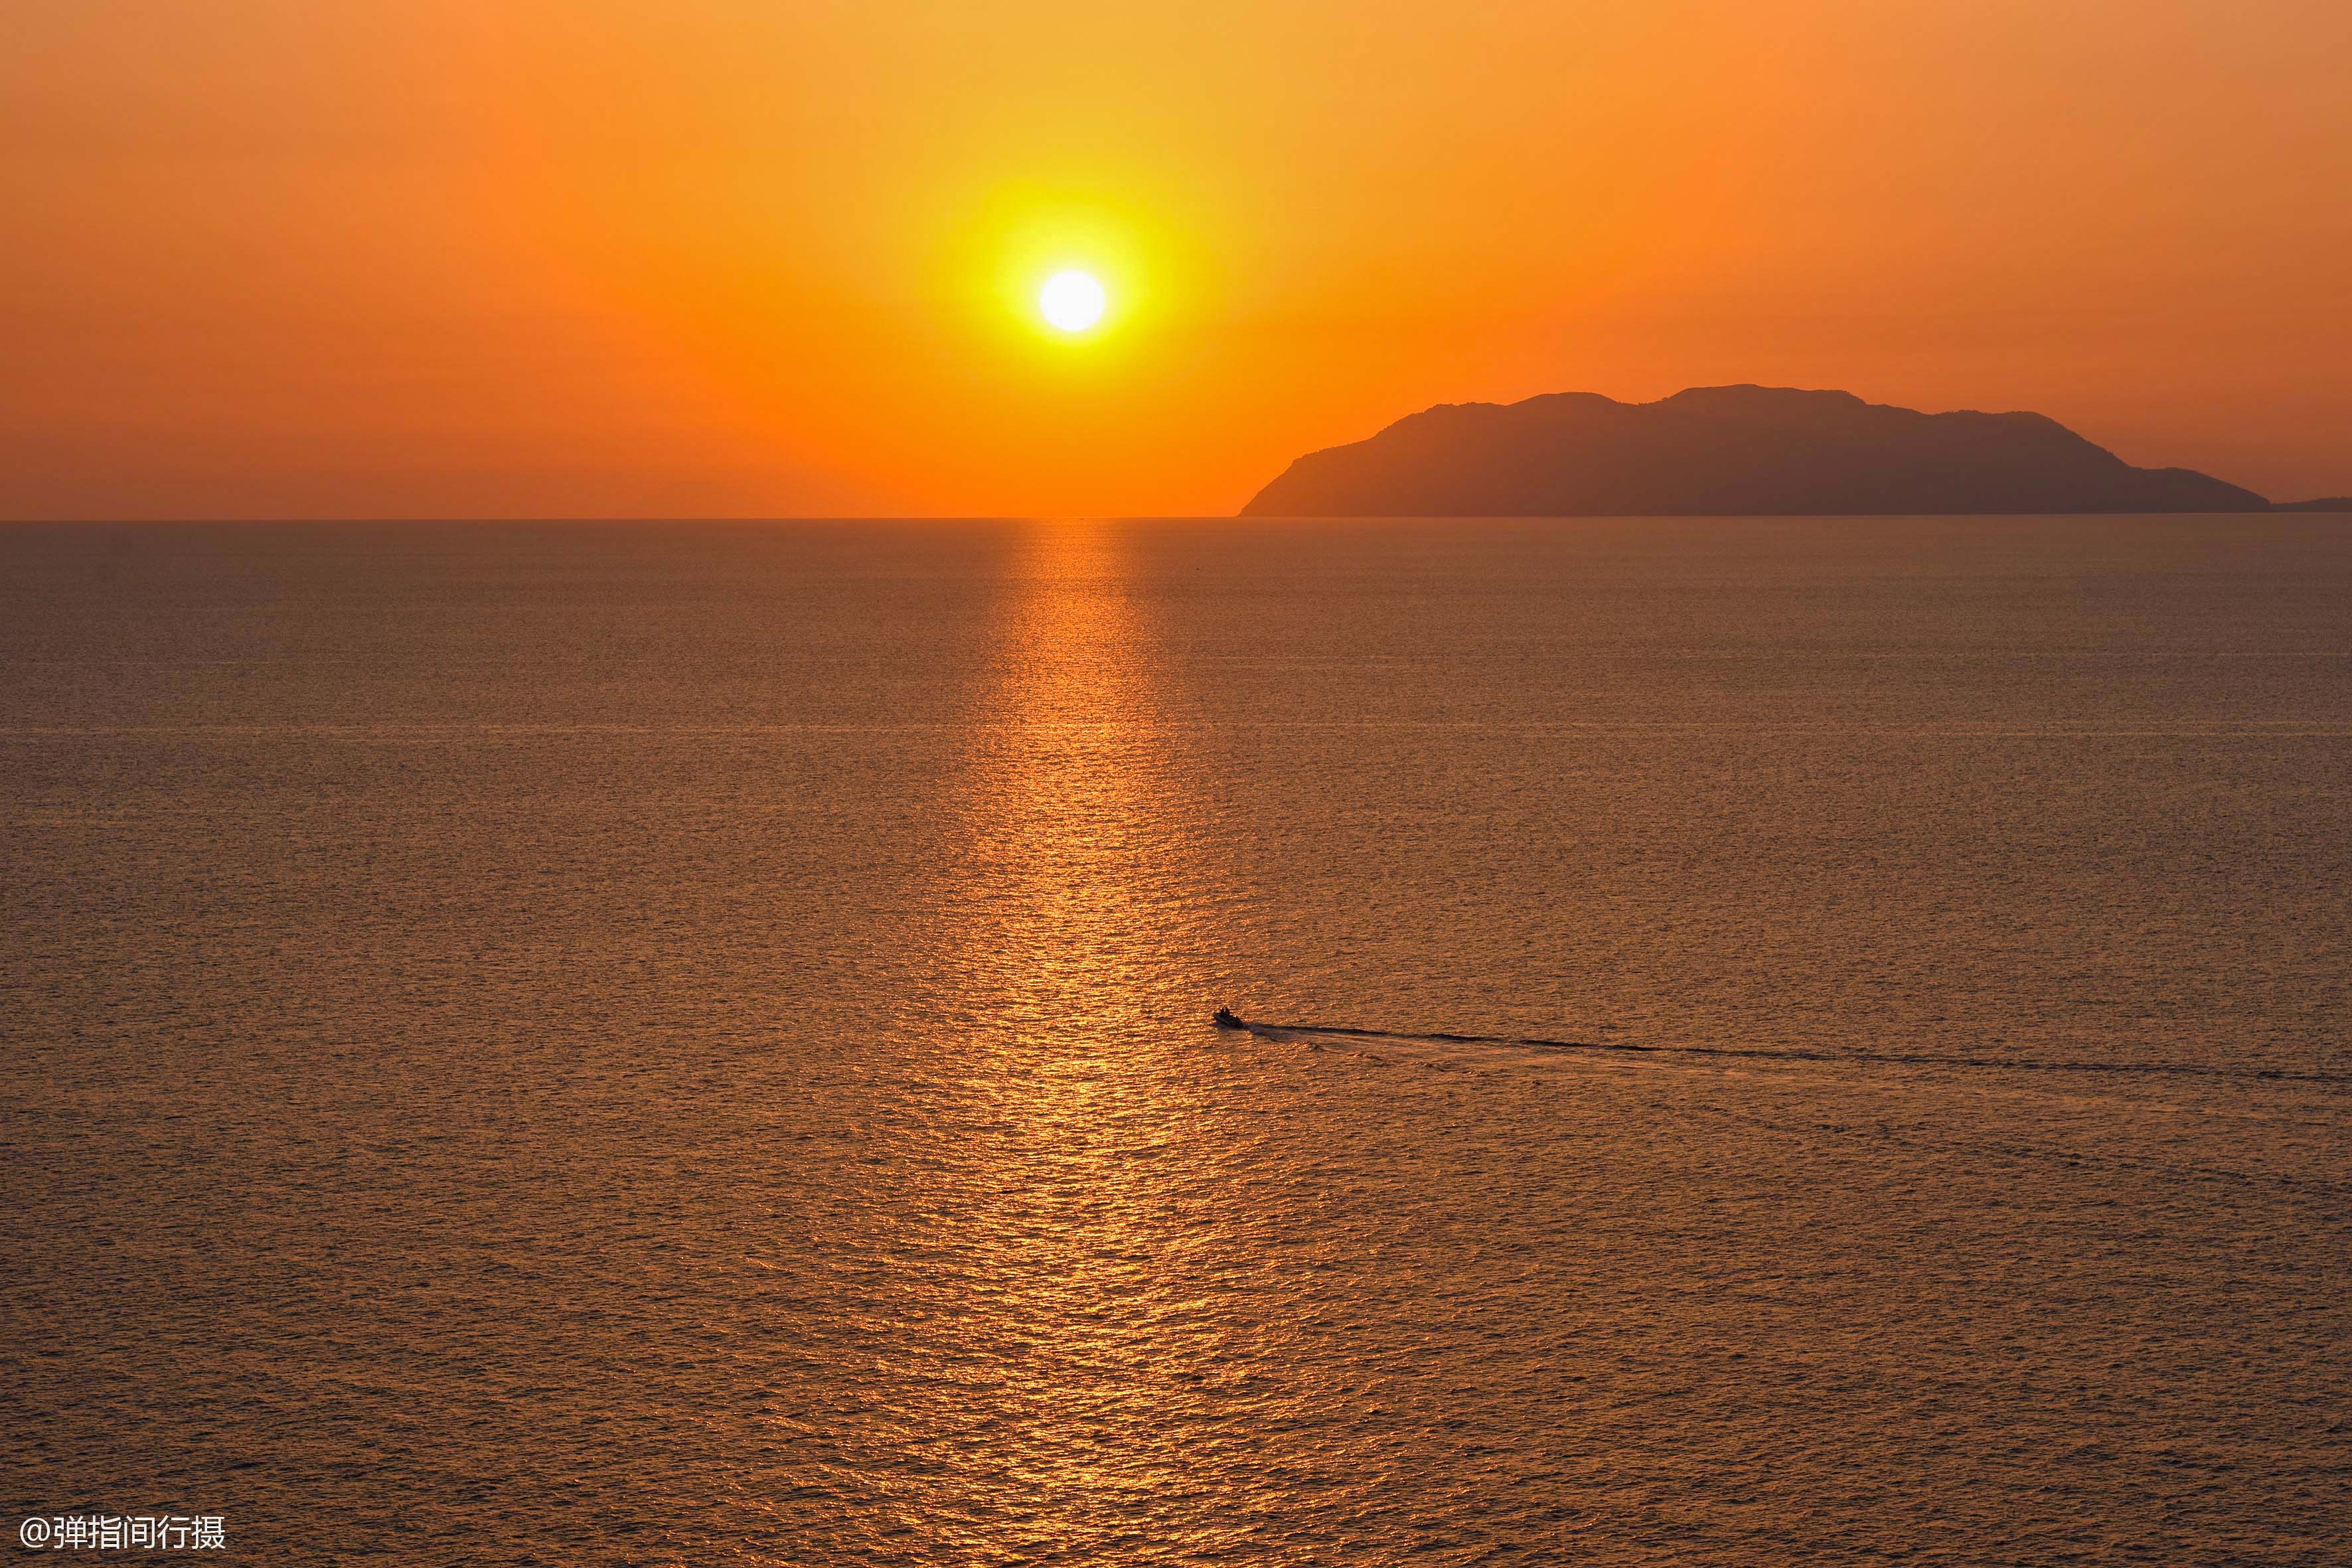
<point>498,257</point>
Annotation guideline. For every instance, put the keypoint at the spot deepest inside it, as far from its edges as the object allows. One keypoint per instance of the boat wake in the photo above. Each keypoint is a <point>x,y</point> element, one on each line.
<point>1854,1058</point>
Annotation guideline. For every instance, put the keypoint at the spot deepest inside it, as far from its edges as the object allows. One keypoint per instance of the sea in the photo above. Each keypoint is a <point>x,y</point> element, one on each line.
<point>1775,1040</point>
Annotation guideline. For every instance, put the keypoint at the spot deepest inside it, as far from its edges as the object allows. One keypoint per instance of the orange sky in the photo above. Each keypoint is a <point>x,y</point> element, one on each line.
<point>488,258</point>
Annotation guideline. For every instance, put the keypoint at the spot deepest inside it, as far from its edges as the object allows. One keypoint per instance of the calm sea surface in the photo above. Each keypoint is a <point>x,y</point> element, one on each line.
<point>688,1043</point>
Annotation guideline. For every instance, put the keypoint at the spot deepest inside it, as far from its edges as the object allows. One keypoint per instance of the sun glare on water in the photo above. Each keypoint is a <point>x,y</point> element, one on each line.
<point>1071,300</point>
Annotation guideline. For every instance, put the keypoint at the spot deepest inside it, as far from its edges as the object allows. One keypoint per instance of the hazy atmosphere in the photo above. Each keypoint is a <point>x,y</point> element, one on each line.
<point>272,257</point>
<point>812,782</point>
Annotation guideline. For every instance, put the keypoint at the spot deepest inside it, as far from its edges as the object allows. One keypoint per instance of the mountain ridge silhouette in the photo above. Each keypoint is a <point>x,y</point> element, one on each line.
<point>1741,450</point>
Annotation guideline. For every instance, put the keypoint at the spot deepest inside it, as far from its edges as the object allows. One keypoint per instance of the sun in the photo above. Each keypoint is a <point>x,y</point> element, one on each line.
<point>1071,300</point>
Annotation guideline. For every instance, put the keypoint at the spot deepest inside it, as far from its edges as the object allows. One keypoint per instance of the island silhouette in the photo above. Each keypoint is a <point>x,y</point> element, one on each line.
<point>1726,451</point>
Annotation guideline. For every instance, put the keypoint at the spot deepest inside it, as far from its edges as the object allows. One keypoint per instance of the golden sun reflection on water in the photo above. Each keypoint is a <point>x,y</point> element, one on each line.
<point>1081,837</point>
<point>1066,1194</point>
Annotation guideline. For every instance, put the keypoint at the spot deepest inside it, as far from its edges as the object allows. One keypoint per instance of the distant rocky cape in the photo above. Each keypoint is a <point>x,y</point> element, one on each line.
<point>1726,451</point>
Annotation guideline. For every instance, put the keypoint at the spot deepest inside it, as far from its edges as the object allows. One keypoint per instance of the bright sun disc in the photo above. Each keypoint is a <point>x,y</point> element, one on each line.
<point>1071,300</point>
